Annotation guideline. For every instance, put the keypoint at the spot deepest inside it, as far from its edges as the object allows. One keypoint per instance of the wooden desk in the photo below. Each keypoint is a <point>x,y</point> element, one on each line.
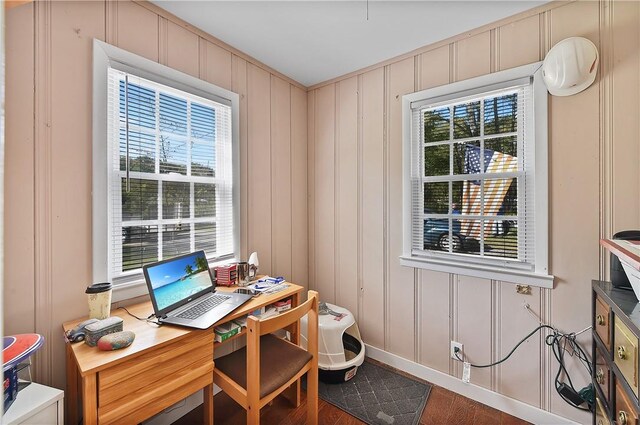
<point>164,365</point>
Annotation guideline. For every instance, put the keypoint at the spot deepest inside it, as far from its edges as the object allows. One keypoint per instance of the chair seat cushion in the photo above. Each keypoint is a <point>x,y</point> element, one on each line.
<point>279,362</point>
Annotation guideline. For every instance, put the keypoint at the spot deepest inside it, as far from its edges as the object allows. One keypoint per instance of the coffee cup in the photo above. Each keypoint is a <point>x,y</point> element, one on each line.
<point>99,298</point>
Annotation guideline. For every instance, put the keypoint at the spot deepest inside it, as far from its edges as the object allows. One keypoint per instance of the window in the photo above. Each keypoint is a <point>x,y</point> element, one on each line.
<point>167,153</point>
<point>475,177</point>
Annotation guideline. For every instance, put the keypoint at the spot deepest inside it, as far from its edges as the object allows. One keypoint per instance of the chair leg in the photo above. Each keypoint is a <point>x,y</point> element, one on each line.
<point>293,393</point>
<point>312,395</point>
<point>253,415</point>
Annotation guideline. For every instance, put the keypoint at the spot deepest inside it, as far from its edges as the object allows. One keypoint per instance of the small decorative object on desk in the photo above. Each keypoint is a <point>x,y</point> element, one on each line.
<point>226,275</point>
<point>16,349</point>
<point>97,330</point>
<point>254,263</point>
<point>116,341</point>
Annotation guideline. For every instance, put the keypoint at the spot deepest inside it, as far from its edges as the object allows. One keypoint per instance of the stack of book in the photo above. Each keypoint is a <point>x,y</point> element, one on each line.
<point>226,275</point>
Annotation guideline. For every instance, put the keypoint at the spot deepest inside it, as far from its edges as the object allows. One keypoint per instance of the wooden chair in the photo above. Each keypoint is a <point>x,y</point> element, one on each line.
<point>272,364</point>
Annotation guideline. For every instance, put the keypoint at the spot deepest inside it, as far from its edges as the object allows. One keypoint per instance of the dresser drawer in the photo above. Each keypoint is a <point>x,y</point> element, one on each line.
<point>602,317</point>
<point>601,415</point>
<point>602,374</point>
<point>625,414</point>
<point>625,353</point>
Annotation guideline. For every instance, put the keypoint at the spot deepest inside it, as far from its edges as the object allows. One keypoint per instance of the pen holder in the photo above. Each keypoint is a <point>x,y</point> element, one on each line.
<point>243,274</point>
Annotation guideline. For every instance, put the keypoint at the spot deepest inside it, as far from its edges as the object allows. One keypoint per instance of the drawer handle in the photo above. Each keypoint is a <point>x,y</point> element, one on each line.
<point>622,417</point>
<point>600,320</point>
<point>600,376</point>
<point>622,354</point>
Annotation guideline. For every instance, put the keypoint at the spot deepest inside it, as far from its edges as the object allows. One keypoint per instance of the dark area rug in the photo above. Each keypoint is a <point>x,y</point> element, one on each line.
<point>378,396</point>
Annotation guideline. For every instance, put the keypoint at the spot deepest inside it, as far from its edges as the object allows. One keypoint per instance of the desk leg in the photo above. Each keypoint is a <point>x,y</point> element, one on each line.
<point>89,400</point>
<point>208,405</point>
<point>293,392</point>
<point>71,396</point>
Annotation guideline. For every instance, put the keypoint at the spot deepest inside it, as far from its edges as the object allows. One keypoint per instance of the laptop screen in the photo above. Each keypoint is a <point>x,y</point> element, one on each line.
<point>178,280</point>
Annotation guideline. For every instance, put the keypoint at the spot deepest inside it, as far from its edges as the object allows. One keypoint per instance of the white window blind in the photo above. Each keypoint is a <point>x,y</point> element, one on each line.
<point>170,176</point>
<point>472,178</point>
<point>475,188</point>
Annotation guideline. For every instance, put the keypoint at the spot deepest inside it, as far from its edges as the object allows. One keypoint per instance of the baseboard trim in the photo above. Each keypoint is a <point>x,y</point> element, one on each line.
<point>490,398</point>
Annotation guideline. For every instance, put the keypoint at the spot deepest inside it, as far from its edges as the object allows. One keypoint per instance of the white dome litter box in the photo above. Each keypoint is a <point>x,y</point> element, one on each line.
<point>340,346</point>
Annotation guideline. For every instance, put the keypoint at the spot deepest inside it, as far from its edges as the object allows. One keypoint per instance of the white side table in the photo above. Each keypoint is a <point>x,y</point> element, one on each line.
<point>36,404</point>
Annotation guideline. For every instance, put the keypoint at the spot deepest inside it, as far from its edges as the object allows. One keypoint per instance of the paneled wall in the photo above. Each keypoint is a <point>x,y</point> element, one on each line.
<point>48,154</point>
<point>355,223</point>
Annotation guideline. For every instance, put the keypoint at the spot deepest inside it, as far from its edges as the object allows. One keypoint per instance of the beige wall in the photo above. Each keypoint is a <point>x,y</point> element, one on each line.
<point>48,154</point>
<point>352,220</point>
<point>355,223</point>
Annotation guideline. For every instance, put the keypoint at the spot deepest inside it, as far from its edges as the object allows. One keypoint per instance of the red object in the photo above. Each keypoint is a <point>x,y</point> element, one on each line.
<point>283,305</point>
<point>18,347</point>
<point>116,341</point>
<point>226,275</point>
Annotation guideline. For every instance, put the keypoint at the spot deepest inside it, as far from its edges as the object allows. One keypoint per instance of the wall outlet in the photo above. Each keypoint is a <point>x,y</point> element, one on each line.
<point>455,345</point>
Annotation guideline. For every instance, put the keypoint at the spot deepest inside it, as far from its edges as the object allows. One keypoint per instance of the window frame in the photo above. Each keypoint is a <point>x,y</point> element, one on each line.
<point>106,56</point>
<point>486,267</point>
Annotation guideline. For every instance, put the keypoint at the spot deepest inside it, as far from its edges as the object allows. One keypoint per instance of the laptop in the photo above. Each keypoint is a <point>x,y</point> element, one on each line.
<point>183,292</point>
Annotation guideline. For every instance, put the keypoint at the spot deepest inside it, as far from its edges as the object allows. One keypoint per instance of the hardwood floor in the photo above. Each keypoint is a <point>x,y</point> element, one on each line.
<point>443,407</point>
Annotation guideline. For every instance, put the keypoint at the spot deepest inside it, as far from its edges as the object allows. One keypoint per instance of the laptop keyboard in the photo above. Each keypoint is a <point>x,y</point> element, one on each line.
<point>203,307</point>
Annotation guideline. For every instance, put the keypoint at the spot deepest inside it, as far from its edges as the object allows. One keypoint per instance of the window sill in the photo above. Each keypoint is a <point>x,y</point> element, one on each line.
<point>486,272</point>
<point>137,287</point>
<point>129,290</point>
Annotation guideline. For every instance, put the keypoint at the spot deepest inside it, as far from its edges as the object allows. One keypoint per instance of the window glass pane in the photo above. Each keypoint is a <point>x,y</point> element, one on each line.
<point>469,200</point>
<point>501,238</point>
<point>141,201</point>
<point>501,155</point>
<point>203,158</point>
<point>173,115</point>
<point>436,198</point>
<point>457,191</point>
<point>444,234</point>
<point>466,120</point>
<point>504,145</point>
<point>142,151</point>
<point>436,160</point>
<point>500,114</point>
<point>203,148</point>
<point>206,237</point>
<point>466,158</point>
<point>501,197</point>
<point>139,246</point>
<point>436,124</point>
<point>469,233</point>
<point>173,154</point>
<point>176,200</point>
<point>142,106</point>
<point>204,199</point>
<point>203,123</point>
<point>175,239</point>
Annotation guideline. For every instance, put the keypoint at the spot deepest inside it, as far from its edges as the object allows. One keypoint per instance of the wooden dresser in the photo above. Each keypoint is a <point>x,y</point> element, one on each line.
<point>616,328</point>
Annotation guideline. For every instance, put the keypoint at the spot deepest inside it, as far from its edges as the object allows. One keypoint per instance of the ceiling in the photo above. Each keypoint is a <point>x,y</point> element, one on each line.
<point>314,41</point>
